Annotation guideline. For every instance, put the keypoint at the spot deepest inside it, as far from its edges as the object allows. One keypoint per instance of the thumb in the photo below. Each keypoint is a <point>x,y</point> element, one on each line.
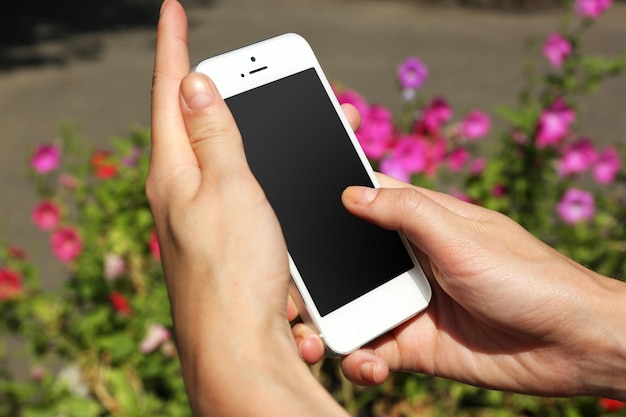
<point>212,131</point>
<point>431,227</point>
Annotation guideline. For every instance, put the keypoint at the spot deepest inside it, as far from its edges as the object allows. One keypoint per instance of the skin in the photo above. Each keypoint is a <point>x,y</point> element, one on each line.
<point>508,312</point>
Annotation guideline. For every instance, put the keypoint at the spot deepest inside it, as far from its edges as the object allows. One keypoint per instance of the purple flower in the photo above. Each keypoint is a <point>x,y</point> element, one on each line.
<point>576,206</point>
<point>554,123</point>
<point>475,125</point>
<point>592,8</point>
<point>607,166</point>
<point>577,158</point>
<point>412,73</point>
<point>46,158</point>
<point>557,49</point>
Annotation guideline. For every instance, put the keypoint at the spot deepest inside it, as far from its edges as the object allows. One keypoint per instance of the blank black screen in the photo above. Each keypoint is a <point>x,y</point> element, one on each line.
<point>299,152</point>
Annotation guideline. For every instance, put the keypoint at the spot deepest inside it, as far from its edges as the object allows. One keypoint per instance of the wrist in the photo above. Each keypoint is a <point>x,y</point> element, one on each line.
<point>601,373</point>
<point>249,371</point>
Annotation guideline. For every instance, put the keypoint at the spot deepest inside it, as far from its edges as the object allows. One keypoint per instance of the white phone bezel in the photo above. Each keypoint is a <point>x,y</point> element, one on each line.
<point>371,315</point>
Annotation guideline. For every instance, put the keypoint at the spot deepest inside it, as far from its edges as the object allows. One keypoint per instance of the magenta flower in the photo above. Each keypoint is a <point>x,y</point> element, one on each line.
<point>46,215</point>
<point>412,73</point>
<point>155,337</point>
<point>478,166</point>
<point>577,158</point>
<point>46,158</point>
<point>114,266</point>
<point>348,96</point>
<point>457,159</point>
<point>434,116</point>
<point>390,166</point>
<point>475,125</point>
<point>66,244</point>
<point>592,8</point>
<point>411,153</point>
<point>461,196</point>
<point>498,190</point>
<point>576,206</point>
<point>554,123</point>
<point>606,166</point>
<point>376,131</point>
<point>557,49</point>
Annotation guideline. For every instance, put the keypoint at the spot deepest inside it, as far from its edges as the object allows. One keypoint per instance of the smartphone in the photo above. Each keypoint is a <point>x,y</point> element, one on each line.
<point>355,281</point>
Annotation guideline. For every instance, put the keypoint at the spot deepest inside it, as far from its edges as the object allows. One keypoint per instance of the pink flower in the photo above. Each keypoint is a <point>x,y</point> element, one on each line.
<point>410,152</point>
<point>10,283</point>
<point>577,158</point>
<point>457,159</point>
<point>114,266</point>
<point>376,131</point>
<point>46,215</point>
<point>46,158</point>
<point>607,165</point>
<point>155,337</point>
<point>153,245</point>
<point>475,125</point>
<point>412,73</point>
<point>66,244</point>
<point>390,166</point>
<point>557,49</point>
<point>554,123</point>
<point>592,8</point>
<point>434,115</point>
<point>68,181</point>
<point>120,303</point>
<point>576,206</point>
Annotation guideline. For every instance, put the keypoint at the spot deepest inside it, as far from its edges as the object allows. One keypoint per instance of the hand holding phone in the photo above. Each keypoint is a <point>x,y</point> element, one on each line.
<point>355,281</point>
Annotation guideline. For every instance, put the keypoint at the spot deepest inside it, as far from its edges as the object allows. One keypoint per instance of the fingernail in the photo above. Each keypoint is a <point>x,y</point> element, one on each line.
<point>196,92</point>
<point>363,195</point>
<point>367,371</point>
<point>162,7</point>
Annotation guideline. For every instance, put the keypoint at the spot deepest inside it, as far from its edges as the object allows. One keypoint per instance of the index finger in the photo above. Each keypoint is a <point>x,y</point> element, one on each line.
<point>170,66</point>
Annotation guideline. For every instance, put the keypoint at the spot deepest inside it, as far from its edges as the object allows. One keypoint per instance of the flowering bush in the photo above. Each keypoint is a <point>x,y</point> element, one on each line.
<point>108,328</point>
<point>101,345</point>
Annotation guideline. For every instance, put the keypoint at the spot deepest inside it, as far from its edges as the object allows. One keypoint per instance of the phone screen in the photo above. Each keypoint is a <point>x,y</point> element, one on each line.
<point>301,155</point>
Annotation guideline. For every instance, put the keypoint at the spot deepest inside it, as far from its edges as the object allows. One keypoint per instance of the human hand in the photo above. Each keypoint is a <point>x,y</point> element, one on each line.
<point>223,252</point>
<point>508,312</point>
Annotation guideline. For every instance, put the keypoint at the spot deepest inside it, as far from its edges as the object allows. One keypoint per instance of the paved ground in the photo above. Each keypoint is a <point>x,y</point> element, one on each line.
<point>474,58</point>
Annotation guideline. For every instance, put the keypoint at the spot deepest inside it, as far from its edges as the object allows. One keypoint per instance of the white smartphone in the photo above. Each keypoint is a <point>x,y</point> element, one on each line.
<point>355,280</point>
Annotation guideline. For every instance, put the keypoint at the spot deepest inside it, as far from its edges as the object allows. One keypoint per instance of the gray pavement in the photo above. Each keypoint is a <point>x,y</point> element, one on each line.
<point>474,56</point>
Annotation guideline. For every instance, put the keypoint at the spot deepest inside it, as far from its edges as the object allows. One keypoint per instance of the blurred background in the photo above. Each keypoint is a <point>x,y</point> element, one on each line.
<point>90,63</point>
